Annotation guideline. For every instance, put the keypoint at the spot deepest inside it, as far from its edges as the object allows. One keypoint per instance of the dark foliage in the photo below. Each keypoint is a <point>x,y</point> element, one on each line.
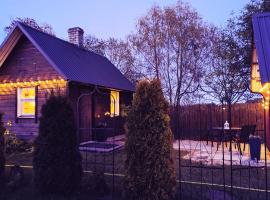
<point>150,172</point>
<point>15,145</point>
<point>2,149</point>
<point>245,26</point>
<point>16,177</point>
<point>57,160</point>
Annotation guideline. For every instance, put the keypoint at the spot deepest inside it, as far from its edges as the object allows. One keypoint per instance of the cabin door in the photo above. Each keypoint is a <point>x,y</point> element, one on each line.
<point>85,116</point>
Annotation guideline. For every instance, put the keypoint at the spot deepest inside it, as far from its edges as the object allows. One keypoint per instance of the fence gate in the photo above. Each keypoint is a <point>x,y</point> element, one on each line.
<point>96,128</point>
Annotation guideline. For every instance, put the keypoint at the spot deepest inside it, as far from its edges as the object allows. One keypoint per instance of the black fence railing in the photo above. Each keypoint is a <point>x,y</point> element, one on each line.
<point>207,167</point>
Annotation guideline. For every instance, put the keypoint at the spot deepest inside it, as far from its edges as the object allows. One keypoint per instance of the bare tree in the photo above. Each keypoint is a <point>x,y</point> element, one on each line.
<point>120,54</point>
<point>117,51</point>
<point>148,42</point>
<point>171,44</point>
<point>94,44</point>
<point>31,22</point>
<point>226,77</point>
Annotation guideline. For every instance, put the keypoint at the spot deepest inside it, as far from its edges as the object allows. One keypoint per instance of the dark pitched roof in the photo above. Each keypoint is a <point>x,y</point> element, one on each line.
<point>261,30</point>
<point>75,63</point>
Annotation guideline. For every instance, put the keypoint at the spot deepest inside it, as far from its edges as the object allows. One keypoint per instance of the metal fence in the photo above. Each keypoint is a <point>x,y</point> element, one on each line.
<point>218,169</point>
<point>207,167</point>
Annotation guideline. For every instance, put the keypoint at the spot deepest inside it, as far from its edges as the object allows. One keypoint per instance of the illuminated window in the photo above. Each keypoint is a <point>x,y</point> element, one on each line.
<point>114,103</point>
<point>26,105</point>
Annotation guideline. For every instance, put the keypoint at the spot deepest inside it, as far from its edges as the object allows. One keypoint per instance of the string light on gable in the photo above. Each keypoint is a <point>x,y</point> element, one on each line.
<point>55,83</point>
<point>266,100</point>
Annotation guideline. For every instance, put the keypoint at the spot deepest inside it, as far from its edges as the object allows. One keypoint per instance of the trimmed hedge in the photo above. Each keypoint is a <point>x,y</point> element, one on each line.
<point>150,172</point>
<point>57,160</point>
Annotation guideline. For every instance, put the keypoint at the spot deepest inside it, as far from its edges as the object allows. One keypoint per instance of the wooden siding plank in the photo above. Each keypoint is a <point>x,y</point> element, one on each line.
<point>25,63</point>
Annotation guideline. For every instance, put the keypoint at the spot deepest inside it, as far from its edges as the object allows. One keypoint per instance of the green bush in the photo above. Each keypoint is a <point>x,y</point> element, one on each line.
<point>57,160</point>
<point>15,145</point>
<point>2,149</point>
<point>150,172</point>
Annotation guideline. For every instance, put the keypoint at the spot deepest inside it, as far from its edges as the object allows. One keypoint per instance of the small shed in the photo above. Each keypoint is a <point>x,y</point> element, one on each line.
<point>34,63</point>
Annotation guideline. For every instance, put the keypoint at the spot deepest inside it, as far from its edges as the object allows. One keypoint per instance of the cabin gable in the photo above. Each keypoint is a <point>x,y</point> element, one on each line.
<point>26,63</point>
<point>26,67</point>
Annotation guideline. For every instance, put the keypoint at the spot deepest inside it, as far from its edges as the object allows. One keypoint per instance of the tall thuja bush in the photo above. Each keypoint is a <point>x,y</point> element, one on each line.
<point>150,172</point>
<point>57,160</point>
<point>2,149</point>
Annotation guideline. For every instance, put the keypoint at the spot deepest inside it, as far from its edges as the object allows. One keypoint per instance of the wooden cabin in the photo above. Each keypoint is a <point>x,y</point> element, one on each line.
<point>33,64</point>
<point>260,67</point>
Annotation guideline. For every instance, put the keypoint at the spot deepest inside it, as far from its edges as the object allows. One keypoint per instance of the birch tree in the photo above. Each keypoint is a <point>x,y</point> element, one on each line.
<point>171,44</point>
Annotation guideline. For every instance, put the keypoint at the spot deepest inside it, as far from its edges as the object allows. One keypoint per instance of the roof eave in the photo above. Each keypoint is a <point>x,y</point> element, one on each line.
<point>102,86</point>
<point>260,47</point>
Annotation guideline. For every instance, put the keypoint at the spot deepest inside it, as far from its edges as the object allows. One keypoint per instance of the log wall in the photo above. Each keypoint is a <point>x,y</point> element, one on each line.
<point>26,64</point>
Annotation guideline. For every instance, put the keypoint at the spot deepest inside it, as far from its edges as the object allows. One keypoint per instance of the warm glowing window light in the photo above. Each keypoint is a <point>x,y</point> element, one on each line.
<point>26,105</point>
<point>115,103</point>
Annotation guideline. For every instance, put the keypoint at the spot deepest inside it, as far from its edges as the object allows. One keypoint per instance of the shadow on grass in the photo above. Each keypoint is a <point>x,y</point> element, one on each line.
<point>200,181</point>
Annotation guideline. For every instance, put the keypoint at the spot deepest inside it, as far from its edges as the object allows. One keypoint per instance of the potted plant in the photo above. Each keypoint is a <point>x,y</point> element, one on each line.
<point>255,147</point>
<point>100,132</point>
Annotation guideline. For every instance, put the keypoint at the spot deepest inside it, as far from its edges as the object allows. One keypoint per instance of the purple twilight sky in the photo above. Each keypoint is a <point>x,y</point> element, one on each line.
<point>104,18</point>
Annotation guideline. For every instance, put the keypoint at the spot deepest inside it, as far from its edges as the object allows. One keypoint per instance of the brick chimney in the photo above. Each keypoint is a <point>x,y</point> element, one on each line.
<point>75,36</point>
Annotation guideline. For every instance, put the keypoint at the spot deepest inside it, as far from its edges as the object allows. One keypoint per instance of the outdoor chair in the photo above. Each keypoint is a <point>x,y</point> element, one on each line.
<point>243,136</point>
<point>212,136</point>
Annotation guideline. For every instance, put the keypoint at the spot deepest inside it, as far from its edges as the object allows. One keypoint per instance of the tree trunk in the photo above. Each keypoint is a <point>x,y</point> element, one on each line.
<point>229,114</point>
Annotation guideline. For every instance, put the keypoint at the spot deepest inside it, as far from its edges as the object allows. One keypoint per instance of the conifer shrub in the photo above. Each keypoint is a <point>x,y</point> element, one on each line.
<point>2,149</point>
<point>57,160</point>
<point>150,172</point>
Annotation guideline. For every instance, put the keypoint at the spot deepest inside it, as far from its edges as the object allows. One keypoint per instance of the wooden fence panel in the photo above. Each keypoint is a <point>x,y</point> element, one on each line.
<point>194,120</point>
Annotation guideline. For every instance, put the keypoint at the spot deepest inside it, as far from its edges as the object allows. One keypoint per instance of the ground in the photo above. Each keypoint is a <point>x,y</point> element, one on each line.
<point>199,180</point>
<point>212,154</point>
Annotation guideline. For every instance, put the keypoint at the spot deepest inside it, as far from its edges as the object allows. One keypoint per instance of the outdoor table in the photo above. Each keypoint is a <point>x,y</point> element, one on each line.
<point>223,134</point>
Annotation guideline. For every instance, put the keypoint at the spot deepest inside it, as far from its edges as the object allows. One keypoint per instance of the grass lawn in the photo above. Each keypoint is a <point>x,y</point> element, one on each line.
<point>198,181</point>
<point>20,159</point>
<point>27,190</point>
